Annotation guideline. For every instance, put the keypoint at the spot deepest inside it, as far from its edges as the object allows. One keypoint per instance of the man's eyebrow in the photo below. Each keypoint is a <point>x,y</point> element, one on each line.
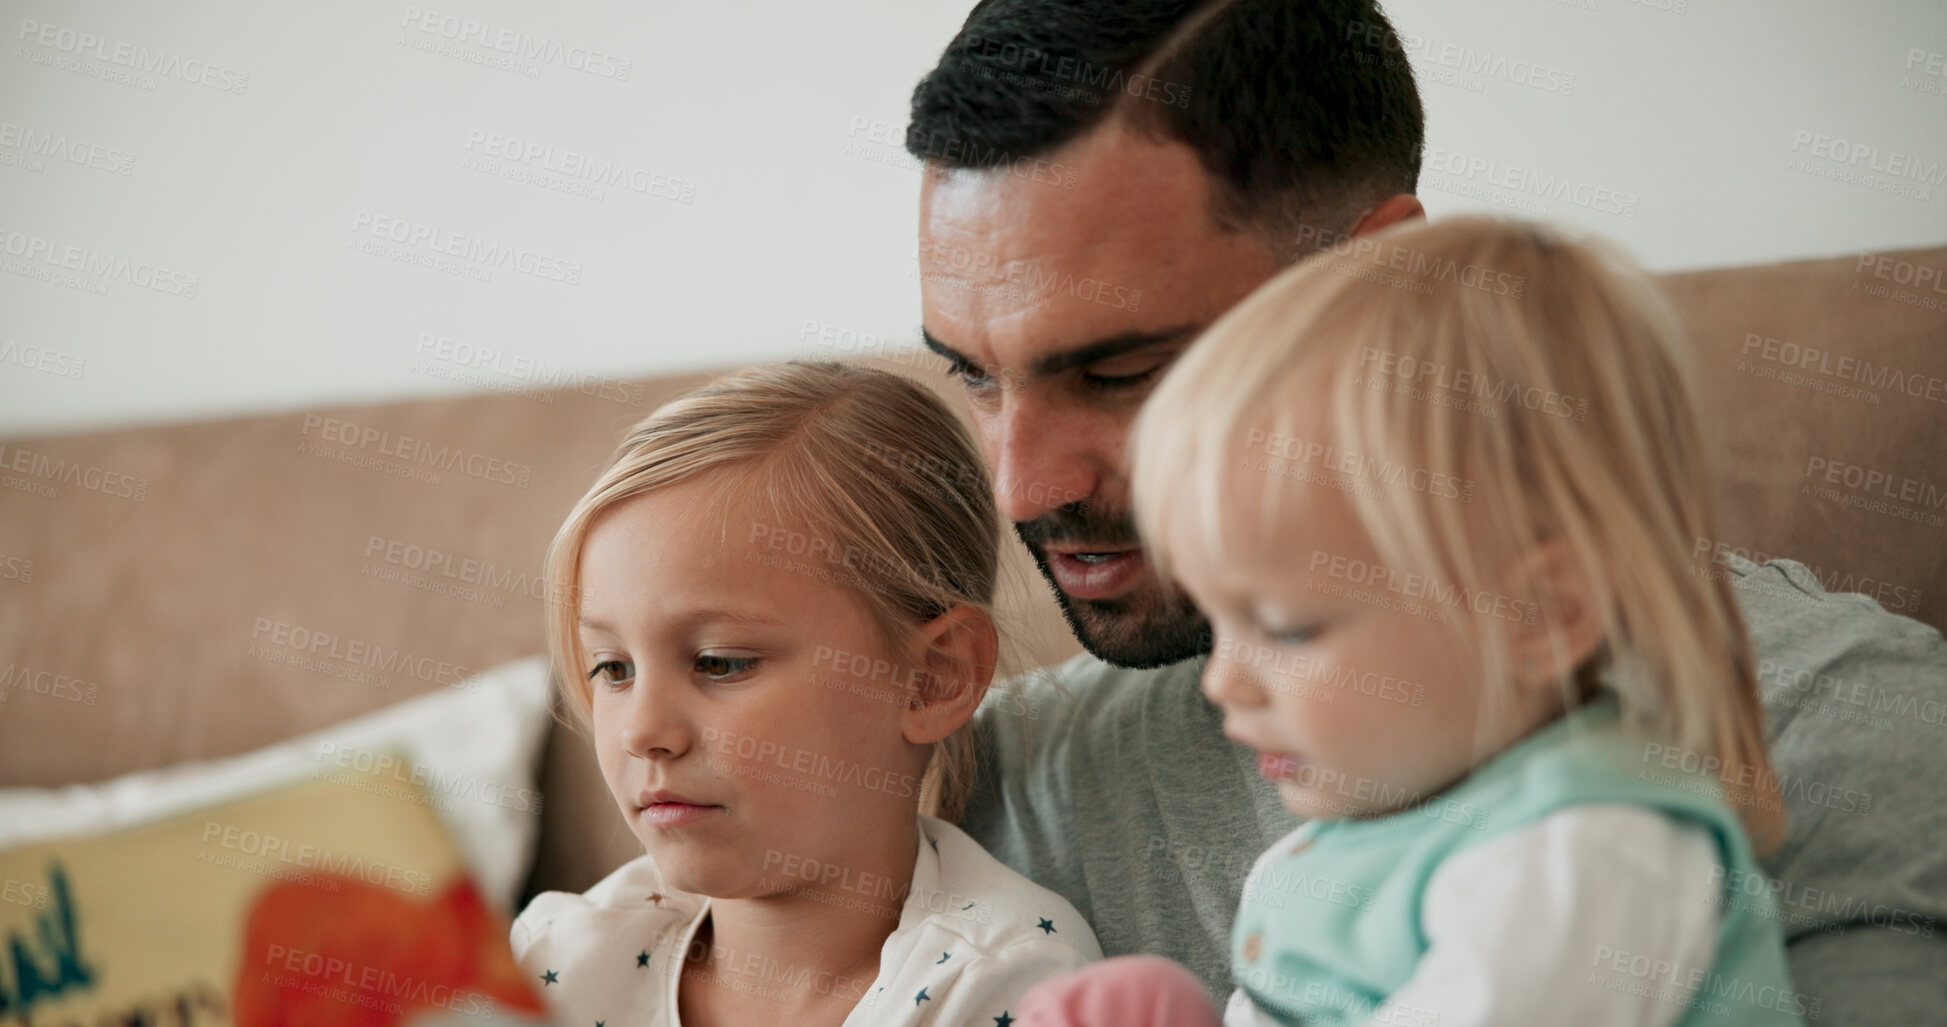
<point>941,348</point>
<point>1084,354</point>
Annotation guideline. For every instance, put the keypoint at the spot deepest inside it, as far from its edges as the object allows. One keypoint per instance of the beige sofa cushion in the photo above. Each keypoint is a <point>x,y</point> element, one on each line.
<point>162,565</point>
<point>1826,386</point>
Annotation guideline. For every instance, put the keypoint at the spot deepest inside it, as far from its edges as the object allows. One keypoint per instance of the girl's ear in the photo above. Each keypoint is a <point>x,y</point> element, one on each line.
<point>958,650</point>
<point>1565,621</point>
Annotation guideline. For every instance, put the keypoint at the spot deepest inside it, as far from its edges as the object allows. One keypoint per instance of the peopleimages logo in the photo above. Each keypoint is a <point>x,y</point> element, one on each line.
<point>407,449</point>
<point>91,263</point>
<point>39,469</point>
<point>1886,162</point>
<point>390,766</point>
<point>1530,182</point>
<point>274,850</point>
<point>1469,67</point>
<point>1875,490</point>
<point>1842,366</point>
<point>950,265</point>
<point>516,43</point>
<point>353,653</point>
<point>576,165</point>
<point>56,146</point>
<point>43,359</point>
<point>470,256</point>
<point>131,57</point>
<point>538,372</point>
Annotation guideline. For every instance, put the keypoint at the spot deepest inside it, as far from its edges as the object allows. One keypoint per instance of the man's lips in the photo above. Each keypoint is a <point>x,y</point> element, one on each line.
<point>1094,572</point>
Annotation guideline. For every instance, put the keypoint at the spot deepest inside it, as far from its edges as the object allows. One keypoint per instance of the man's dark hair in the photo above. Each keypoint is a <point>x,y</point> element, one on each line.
<point>1304,112</point>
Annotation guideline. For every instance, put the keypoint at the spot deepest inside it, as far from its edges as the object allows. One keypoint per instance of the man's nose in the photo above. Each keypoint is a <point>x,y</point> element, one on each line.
<point>1041,459</point>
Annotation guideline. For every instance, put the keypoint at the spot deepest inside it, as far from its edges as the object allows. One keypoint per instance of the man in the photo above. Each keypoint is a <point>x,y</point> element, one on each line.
<point>1107,177</point>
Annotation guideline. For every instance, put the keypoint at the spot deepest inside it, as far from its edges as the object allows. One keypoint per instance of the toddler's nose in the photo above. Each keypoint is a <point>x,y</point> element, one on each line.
<point>1231,684</point>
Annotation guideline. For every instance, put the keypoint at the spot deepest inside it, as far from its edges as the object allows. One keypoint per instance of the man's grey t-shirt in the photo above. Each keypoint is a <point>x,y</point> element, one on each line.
<point>1117,789</point>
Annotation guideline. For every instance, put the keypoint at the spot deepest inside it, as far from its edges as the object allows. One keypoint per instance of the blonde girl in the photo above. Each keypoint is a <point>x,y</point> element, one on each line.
<point>778,626</point>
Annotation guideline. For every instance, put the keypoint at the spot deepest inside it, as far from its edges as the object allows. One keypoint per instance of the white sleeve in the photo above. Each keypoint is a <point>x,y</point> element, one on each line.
<point>1597,915</point>
<point>1240,1011</point>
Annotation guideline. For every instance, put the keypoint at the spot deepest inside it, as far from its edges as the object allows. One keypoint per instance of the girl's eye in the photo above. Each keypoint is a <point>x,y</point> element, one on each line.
<point>613,672</point>
<point>717,667</point>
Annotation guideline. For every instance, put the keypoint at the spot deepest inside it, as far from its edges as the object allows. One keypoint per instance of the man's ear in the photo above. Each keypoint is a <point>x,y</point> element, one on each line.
<point>1565,619</point>
<point>958,650</point>
<point>1395,209</point>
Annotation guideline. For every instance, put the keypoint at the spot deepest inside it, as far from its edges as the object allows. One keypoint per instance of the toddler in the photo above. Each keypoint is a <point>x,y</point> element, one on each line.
<point>1436,491</point>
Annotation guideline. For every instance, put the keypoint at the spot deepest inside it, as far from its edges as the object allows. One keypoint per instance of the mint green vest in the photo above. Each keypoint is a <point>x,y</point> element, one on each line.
<point>1323,936</point>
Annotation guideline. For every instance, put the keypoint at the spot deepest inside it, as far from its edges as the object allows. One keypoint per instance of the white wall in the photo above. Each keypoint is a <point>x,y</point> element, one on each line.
<point>765,186</point>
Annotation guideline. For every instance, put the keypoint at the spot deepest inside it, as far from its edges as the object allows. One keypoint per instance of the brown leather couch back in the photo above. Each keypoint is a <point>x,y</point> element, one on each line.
<point>151,565</point>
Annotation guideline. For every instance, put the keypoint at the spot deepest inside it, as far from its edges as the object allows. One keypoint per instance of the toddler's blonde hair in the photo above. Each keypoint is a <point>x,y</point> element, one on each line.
<point>1549,376</point>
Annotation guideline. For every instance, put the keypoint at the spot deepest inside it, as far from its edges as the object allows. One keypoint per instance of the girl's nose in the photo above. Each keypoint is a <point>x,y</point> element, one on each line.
<point>656,721</point>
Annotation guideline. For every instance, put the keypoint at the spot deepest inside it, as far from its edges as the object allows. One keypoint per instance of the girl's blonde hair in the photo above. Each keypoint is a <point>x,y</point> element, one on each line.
<point>1505,388</point>
<point>871,465</point>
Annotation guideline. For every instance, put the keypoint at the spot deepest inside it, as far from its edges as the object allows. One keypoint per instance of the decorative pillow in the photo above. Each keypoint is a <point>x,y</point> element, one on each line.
<point>471,752</point>
<point>321,902</point>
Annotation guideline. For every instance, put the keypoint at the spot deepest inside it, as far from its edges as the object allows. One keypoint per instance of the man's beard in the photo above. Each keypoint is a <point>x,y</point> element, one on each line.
<point>1139,629</point>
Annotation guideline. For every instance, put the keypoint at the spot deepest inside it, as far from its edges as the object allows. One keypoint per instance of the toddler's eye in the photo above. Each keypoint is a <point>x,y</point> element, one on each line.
<point>613,672</point>
<point>1292,636</point>
<point>712,665</point>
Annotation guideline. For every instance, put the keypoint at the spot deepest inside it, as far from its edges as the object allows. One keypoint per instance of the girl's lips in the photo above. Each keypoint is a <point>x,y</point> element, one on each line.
<point>677,814</point>
<point>1276,766</point>
<point>1096,579</point>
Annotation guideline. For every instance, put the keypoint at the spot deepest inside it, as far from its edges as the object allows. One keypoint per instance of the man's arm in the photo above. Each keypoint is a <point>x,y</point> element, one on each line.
<point>1856,713</point>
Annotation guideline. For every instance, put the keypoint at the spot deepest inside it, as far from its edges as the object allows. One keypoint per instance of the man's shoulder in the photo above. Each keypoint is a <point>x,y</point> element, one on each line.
<point>1786,593</point>
<point>1814,647</point>
<point>1092,689</point>
<point>1087,709</point>
<point>1855,700</point>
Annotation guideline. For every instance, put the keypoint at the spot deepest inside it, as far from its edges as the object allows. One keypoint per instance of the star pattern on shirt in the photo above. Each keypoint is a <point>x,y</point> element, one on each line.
<point>922,997</point>
<point>656,897</point>
<point>1003,1020</point>
<point>550,978</point>
<point>642,958</point>
<point>1046,925</point>
<point>944,956</point>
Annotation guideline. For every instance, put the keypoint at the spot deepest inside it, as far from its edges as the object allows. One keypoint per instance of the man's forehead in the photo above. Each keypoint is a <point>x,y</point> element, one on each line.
<point>1106,195</point>
<point>1112,236</point>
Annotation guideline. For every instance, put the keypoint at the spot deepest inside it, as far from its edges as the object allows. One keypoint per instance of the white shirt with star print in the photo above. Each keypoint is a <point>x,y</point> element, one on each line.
<point>973,937</point>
